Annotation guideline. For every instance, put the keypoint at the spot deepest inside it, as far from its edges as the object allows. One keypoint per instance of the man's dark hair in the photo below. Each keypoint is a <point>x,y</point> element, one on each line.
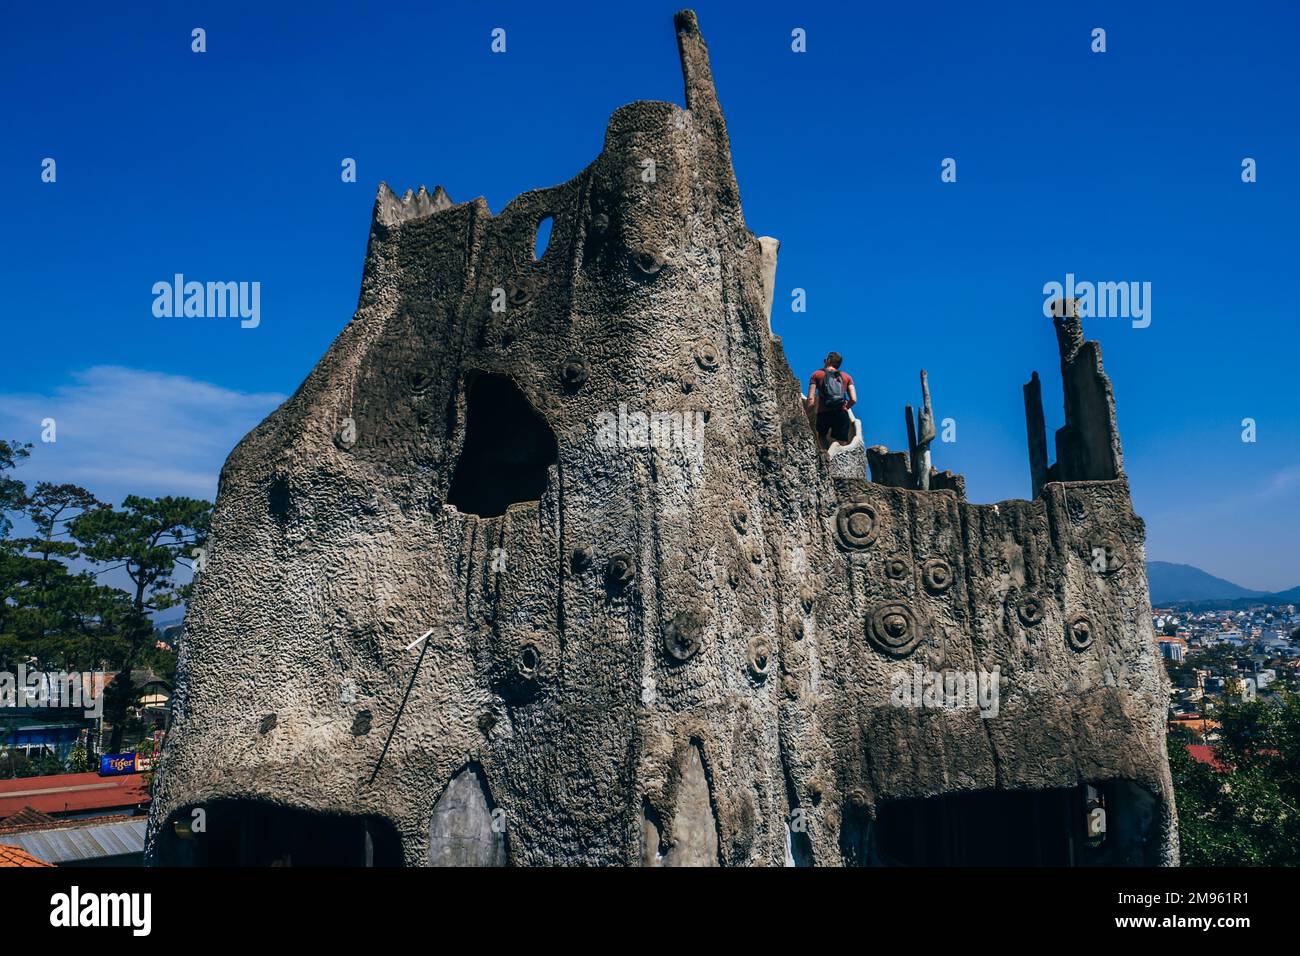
<point>833,360</point>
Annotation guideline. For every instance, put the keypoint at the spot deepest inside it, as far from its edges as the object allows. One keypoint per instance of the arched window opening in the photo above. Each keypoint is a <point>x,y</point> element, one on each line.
<point>543,239</point>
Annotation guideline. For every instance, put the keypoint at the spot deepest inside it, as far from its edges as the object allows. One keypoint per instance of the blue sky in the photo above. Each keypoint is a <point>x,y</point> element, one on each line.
<point>1117,166</point>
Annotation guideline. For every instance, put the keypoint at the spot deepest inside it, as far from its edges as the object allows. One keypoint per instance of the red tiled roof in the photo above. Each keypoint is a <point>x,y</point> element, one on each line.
<point>12,856</point>
<point>26,817</point>
<point>1204,753</point>
<point>72,793</point>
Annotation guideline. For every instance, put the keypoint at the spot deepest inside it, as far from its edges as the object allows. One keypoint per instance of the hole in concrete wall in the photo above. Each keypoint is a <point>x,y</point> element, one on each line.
<point>543,238</point>
<point>508,449</point>
<point>277,499</point>
<point>989,828</point>
<point>252,833</point>
<point>1122,824</point>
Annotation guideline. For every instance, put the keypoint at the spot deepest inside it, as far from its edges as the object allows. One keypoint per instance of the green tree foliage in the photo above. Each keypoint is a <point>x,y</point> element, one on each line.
<point>80,761</point>
<point>12,568</point>
<point>12,491</point>
<point>1181,673</point>
<point>57,618</point>
<point>148,538</point>
<point>56,615</point>
<point>1243,813</point>
<point>14,764</point>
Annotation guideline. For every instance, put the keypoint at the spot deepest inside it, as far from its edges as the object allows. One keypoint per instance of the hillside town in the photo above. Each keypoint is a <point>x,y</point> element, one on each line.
<point>1227,655</point>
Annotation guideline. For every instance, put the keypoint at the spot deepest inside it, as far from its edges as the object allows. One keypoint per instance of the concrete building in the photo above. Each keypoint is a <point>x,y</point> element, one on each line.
<point>543,564</point>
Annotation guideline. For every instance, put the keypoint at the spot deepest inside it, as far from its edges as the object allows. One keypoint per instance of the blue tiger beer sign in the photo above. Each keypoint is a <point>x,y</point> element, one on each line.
<point>112,765</point>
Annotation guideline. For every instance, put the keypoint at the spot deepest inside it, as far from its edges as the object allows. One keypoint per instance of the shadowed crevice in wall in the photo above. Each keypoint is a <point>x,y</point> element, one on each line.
<point>798,849</point>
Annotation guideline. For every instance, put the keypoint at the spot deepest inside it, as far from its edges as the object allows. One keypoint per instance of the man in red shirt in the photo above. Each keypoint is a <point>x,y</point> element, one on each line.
<point>831,394</point>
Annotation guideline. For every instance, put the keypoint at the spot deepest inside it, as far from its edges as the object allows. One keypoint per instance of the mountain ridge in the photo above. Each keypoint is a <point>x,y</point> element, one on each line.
<point>1172,583</point>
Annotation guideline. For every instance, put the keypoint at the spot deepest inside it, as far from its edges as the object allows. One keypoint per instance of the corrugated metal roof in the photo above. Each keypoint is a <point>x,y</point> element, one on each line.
<point>80,844</point>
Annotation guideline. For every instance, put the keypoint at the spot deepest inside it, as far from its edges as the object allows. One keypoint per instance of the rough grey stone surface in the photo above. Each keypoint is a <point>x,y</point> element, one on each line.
<point>462,831</point>
<point>675,651</point>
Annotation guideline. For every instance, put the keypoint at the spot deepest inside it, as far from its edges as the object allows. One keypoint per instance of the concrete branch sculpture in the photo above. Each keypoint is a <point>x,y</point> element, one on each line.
<point>542,564</point>
<point>919,436</point>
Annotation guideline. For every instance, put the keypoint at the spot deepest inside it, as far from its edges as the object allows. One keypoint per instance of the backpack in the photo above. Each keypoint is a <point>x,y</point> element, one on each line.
<point>831,393</point>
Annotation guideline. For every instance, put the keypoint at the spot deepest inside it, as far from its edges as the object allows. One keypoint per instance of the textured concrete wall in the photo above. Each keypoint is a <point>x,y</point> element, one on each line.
<point>674,649</point>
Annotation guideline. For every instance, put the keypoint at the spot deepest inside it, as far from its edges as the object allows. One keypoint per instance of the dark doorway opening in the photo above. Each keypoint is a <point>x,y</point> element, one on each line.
<point>508,449</point>
<point>989,828</point>
<point>252,833</point>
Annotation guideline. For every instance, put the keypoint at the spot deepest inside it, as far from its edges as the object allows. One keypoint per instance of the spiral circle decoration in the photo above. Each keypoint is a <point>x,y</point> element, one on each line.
<point>894,629</point>
<point>856,525</point>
